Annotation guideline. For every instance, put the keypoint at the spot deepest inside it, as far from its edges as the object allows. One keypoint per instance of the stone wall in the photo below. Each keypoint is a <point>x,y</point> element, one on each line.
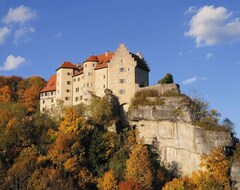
<point>162,88</point>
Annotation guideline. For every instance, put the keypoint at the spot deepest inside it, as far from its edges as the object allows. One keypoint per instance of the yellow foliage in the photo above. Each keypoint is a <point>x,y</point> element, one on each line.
<point>73,122</point>
<point>138,167</point>
<point>107,182</point>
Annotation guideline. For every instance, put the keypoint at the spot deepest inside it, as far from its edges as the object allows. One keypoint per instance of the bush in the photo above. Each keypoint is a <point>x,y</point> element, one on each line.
<point>168,79</point>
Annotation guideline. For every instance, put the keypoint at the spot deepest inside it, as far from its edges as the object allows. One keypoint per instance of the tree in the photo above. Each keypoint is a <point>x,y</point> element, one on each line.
<point>97,153</point>
<point>138,167</point>
<point>108,181</point>
<point>217,168</point>
<point>168,79</point>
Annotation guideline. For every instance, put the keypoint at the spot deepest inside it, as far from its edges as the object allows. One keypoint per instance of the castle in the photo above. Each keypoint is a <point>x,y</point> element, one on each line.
<point>121,71</point>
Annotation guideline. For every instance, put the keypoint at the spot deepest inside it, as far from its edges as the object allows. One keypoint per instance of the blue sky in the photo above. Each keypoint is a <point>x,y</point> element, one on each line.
<point>197,41</point>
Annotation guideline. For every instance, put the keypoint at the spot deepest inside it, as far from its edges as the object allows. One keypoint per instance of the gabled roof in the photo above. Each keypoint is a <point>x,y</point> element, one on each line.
<point>140,62</point>
<point>103,60</point>
<point>50,85</point>
<point>67,65</point>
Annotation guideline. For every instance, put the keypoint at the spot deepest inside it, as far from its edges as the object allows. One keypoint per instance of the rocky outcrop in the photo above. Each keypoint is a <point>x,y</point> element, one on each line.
<point>168,126</point>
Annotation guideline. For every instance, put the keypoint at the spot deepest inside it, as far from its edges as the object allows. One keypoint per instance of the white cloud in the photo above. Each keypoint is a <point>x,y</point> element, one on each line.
<point>57,35</point>
<point>180,53</point>
<point>4,32</point>
<point>23,33</point>
<point>20,15</point>
<point>12,62</point>
<point>209,56</point>
<point>211,26</point>
<point>193,80</point>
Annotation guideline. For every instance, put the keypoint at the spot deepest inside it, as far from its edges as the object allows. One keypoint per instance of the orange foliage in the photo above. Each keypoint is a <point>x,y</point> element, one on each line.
<point>128,185</point>
<point>139,168</point>
<point>6,94</point>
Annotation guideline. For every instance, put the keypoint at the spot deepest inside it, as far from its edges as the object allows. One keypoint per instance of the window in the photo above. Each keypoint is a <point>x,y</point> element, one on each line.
<point>93,64</point>
<point>43,109</point>
<point>122,80</point>
<point>89,74</point>
<point>74,80</point>
<point>128,69</point>
<point>68,73</point>
<point>104,86</point>
<point>121,69</point>
<point>121,60</point>
<point>76,99</point>
<point>78,78</point>
<point>87,84</point>
<point>104,76</point>
<point>42,94</point>
<point>46,94</point>
<point>51,93</point>
<point>77,89</point>
<point>80,97</point>
<point>121,91</point>
<point>68,90</point>
<point>43,101</point>
<point>85,65</point>
<point>67,98</point>
<point>52,100</point>
<point>68,82</point>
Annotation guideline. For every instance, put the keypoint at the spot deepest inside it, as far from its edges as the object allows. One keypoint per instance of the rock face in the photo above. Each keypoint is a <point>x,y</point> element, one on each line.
<point>169,127</point>
<point>235,175</point>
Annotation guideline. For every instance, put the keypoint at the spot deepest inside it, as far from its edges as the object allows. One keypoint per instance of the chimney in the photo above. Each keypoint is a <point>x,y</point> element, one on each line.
<point>139,55</point>
<point>106,53</point>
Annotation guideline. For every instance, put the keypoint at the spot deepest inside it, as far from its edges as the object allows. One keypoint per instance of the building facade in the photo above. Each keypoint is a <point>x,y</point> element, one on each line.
<point>121,71</point>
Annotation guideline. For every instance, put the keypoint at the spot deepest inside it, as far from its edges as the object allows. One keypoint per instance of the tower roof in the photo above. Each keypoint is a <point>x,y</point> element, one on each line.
<point>67,65</point>
<point>92,58</point>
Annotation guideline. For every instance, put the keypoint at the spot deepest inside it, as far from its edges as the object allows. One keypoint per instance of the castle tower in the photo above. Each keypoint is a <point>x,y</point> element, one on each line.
<point>64,83</point>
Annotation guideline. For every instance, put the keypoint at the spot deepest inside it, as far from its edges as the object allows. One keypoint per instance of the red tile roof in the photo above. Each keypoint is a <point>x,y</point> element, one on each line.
<point>50,85</point>
<point>67,65</point>
<point>103,60</point>
<point>92,58</point>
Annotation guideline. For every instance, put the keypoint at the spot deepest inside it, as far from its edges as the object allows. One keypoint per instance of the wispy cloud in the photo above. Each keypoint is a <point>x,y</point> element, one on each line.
<point>57,35</point>
<point>211,26</point>
<point>193,80</point>
<point>4,32</point>
<point>209,56</point>
<point>12,62</point>
<point>20,15</point>
<point>23,34</point>
<point>192,9</point>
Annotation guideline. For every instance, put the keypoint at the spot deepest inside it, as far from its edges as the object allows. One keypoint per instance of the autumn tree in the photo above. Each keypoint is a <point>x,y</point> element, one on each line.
<point>6,94</point>
<point>22,169</point>
<point>138,167</point>
<point>107,182</point>
<point>217,168</point>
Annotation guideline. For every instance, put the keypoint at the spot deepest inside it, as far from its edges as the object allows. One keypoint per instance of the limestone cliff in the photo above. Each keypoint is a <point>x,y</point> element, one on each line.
<point>168,124</point>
